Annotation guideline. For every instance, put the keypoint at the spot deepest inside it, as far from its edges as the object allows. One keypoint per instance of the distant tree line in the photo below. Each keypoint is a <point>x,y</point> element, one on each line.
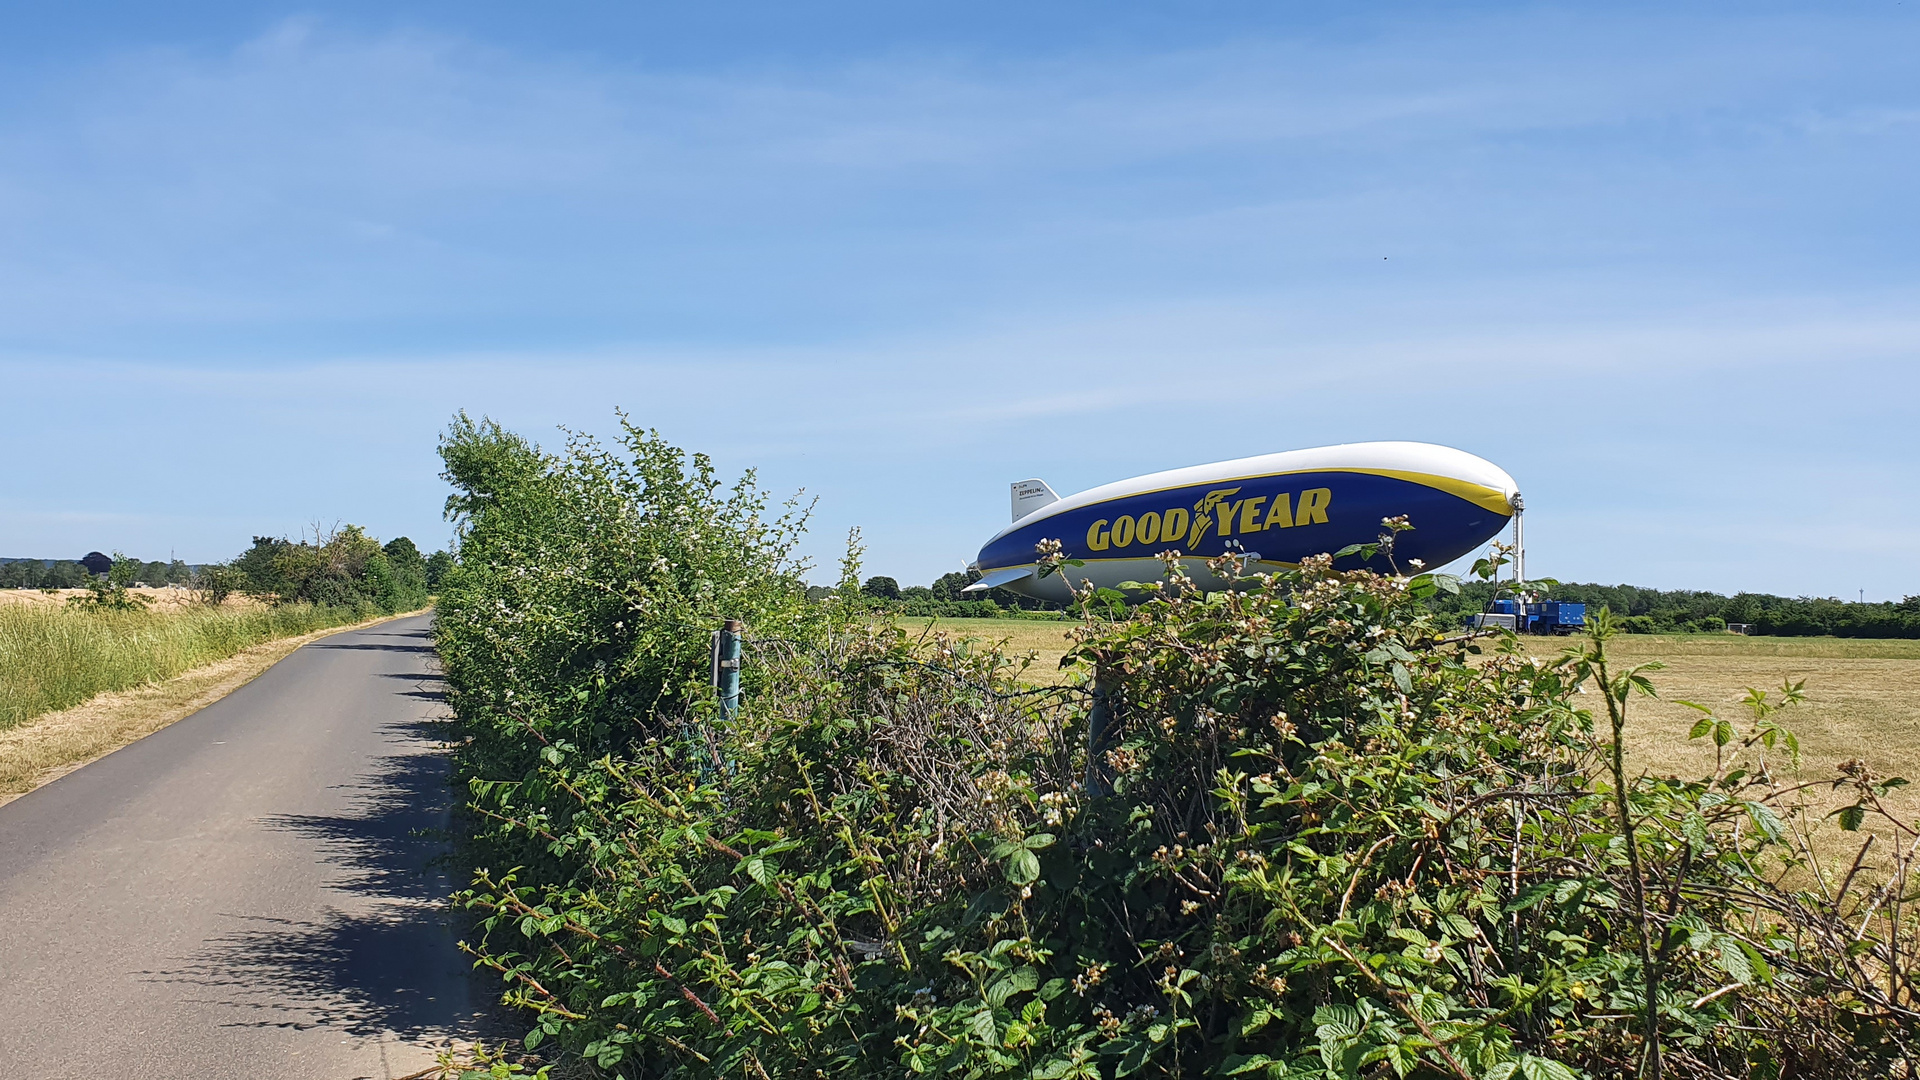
<point>342,568</point>
<point>1641,610</point>
<point>1668,611</point>
<point>945,599</point>
<point>69,574</point>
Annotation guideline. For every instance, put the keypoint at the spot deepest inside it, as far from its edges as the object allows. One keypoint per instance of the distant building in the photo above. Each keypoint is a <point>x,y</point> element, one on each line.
<point>96,563</point>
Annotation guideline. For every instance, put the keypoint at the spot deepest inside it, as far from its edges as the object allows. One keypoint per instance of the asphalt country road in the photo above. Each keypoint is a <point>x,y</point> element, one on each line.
<point>249,892</point>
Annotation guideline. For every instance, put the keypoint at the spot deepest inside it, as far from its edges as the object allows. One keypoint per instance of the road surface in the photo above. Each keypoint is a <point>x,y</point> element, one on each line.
<point>250,892</point>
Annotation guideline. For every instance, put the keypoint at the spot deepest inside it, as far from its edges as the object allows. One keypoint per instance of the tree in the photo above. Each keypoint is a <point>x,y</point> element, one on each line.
<point>948,586</point>
<point>438,564</point>
<point>259,565</point>
<point>883,588</point>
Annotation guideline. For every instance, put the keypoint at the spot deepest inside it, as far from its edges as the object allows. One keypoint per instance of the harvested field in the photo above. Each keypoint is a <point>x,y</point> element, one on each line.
<point>1863,695</point>
<point>161,599</point>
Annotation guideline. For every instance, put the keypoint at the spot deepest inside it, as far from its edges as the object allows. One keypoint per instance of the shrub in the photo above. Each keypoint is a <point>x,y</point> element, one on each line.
<point>1340,841</point>
<point>113,591</point>
<point>585,591</point>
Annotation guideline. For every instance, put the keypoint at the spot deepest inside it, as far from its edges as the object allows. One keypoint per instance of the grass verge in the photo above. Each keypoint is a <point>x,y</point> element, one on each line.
<point>55,657</point>
<point>47,747</point>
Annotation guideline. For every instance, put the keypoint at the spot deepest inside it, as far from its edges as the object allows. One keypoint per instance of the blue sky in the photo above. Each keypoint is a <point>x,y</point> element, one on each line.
<point>1657,261</point>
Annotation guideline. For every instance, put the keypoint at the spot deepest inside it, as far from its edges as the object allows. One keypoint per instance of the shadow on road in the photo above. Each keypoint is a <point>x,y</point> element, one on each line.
<point>359,642</point>
<point>426,687</point>
<point>369,646</point>
<point>384,960</point>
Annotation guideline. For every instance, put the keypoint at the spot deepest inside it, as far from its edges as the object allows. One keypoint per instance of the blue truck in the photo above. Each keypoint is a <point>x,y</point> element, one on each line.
<point>1535,617</point>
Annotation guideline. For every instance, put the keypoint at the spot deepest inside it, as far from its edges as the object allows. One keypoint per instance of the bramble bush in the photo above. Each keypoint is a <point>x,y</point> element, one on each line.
<point>1322,834</point>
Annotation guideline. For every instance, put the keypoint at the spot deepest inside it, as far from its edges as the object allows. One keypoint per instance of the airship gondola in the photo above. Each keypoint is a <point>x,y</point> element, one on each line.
<point>1269,511</point>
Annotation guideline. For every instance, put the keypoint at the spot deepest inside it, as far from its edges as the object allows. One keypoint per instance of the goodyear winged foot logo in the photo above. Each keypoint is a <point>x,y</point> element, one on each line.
<point>1202,513</point>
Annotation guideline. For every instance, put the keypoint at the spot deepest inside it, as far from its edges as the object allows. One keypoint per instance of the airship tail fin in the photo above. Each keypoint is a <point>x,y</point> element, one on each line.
<point>996,578</point>
<point>1031,495</point>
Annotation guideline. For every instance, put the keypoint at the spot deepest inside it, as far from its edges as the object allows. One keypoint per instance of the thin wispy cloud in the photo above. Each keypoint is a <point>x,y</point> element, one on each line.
<point>901,275</point>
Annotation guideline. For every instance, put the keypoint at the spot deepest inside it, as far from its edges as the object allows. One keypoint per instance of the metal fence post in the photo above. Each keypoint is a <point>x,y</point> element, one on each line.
<point>726,667</point>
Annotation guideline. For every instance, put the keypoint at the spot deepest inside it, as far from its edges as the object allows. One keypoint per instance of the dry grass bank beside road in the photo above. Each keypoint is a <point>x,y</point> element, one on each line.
<point>54,656</point>
<point>1863,695</point>
<point>53,744</point>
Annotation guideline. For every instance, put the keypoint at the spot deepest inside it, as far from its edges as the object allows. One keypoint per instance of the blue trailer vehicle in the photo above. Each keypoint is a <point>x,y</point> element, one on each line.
<point>1537,617</point>
<point>1556,617</point>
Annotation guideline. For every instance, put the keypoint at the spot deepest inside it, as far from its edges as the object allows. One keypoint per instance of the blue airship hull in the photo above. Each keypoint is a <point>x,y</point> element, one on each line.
<point>1271,511</point>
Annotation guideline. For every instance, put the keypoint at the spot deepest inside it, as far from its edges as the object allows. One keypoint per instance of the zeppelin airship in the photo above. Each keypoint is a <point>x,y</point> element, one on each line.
<point>1270,512</point>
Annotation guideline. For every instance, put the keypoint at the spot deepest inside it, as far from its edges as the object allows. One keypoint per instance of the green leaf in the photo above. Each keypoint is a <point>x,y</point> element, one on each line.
<point>982,1027</point>
<point>756,868</point>
<point>1059,1068</point>
<point>1018,981</point>
<point>1766,821</point>
<point>1023,867</point>
<point>1694,828</point>
<point>1336,1021</point>
<point>1531,895</point>
<point>1851,816</point>
<point>1038,841</point>
<point>1700,727</point>
<point>1733,961</point>
<point>1539,1068</point>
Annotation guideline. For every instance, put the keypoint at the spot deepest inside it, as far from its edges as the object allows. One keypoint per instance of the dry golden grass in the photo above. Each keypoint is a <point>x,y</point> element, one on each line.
<point>1047,640</point>
<point>1863,696</point>
<point>161,599</point>
<point>1863,701</point>
<point>53,744</point>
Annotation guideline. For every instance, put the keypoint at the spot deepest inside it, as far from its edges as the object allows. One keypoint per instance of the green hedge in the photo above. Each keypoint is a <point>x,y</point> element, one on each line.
<point>1337,844</point>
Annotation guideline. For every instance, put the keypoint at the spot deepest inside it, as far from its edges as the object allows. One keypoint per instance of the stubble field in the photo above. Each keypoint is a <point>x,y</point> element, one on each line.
<point>1863,696</point>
